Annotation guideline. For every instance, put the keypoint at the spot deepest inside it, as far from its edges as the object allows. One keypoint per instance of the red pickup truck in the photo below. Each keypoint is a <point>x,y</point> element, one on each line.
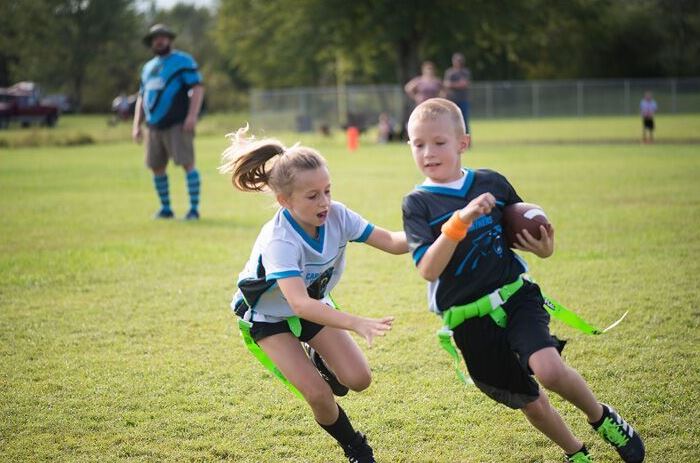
<point>22,103</point>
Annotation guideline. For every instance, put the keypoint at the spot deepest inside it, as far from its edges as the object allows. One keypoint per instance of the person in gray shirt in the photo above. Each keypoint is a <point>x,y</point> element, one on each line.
<point>456,83</point>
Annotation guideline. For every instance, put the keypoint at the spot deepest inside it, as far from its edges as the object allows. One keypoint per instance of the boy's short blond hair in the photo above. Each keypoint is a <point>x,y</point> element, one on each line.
<point>433,108</point>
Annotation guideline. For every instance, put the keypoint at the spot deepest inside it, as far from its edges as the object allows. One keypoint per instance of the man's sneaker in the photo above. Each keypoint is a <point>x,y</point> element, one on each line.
<point>581,456</point>
<point>618,433</point>
<point>359,451</point>
<point>337,387</point>
<point>193,214</point>
<point>164,214</point>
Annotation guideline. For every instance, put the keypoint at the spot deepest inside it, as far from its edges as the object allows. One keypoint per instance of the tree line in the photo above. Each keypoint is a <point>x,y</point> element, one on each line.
<point>92,50</point>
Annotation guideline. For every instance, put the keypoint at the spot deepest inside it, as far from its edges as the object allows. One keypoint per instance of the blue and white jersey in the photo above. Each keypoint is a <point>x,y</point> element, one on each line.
<point>283,250</point>
<point>165,81</point>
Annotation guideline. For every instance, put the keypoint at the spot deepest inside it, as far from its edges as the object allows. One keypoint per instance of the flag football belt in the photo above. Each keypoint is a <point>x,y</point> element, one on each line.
<point>294,322</point>
<point>492,305</point>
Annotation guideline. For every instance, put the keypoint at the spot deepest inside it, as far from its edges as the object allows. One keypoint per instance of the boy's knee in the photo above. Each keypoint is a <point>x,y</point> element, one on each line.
<point>537,408</point>
<point>550,374</point>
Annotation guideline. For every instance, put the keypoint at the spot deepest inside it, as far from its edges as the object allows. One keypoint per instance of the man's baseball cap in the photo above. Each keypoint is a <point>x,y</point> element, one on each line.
<point>157,29</point>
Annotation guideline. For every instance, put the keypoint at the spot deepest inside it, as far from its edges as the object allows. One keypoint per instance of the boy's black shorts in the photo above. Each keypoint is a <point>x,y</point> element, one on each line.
<point>261,330</point>
<point>648,123</point>
<point>497,358</point>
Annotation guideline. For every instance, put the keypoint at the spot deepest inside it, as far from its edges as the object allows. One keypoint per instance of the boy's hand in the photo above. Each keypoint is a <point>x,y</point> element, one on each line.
<point>544,247</point>
<point>478,206</point>
<point>369,328</point>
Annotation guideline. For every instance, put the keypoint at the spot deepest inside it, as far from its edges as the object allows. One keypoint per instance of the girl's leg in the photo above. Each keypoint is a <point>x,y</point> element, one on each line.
<point>287,354</point>
<point>344,357</point>
<point>546,419</point>
<point>551,371</point>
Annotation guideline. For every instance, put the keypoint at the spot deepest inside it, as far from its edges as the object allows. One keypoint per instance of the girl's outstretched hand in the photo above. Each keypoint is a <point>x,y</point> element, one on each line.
<point>369,328</point>
<point>544,247</point>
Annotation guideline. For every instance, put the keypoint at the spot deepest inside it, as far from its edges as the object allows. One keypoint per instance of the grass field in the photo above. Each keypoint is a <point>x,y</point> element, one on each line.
<point>117,344</point>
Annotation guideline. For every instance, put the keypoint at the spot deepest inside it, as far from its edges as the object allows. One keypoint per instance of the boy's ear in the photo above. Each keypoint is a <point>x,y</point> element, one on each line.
<point>465,142</point>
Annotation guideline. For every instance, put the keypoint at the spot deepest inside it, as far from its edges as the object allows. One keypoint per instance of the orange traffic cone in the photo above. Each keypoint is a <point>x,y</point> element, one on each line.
<point>353,138</point>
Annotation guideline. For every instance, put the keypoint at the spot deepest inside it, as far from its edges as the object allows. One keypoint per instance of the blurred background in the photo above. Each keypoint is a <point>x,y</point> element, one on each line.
<point>308,64</point>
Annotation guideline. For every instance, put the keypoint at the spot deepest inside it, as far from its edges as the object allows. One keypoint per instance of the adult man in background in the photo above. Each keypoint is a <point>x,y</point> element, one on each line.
<point>456,83</point>
<point>170,97</point>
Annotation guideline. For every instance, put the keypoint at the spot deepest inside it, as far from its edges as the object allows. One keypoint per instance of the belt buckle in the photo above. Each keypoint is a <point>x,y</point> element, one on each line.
<point>495,299</point>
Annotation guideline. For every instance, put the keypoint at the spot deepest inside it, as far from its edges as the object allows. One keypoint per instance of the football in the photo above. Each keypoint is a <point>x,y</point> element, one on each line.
<point>523,216</point>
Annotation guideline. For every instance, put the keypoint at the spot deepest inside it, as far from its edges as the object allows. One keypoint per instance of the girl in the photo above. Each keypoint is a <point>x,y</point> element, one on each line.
<point>453,225</point>
<point>297,259</point>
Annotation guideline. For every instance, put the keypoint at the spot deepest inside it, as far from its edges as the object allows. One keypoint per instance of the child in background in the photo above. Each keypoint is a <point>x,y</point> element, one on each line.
<point>297,259</point>
<point>454,230</point>
<point>647,107</point>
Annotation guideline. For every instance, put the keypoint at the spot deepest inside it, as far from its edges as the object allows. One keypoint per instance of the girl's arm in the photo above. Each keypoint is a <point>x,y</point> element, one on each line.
<point>303,306</point>
<point>388,241</point>
<point>438,255</point>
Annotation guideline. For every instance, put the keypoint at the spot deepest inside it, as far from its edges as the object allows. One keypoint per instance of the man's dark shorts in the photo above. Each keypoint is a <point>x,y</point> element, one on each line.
<point>497,358</point>
<point>648,123</point>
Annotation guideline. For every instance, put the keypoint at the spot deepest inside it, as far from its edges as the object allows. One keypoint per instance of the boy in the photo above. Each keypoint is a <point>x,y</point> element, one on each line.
<point>464,267</point>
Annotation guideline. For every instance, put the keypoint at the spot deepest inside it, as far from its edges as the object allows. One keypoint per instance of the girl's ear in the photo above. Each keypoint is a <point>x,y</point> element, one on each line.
<point>283,200</point>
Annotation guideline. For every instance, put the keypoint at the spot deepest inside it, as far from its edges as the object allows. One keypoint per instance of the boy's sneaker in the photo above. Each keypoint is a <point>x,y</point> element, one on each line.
<point>164,214</point>
<point>359,451</point>
<point>618,433</point>
<point>337,387</point>
<point>193,214</point>
<point>581,456</point>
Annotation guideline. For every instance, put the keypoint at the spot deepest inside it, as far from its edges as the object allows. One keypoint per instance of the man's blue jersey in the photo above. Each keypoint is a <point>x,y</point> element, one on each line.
<point>482,262</point>
<point>165,81</point>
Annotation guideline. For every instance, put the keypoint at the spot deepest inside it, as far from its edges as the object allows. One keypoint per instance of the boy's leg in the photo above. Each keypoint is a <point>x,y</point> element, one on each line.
<point>551,371</point>
<point>546,419</point>
<point>193,183</point>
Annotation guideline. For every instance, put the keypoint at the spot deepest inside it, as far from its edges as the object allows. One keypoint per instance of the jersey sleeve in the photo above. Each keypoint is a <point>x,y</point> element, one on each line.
<point>355,227</point>
<point>416,224</point>
<point>507,195</point>
<point>281,259</point>
<point>190,74</point>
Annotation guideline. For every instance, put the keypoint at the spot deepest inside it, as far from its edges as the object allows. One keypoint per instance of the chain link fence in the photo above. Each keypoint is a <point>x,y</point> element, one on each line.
<point>314,109</point>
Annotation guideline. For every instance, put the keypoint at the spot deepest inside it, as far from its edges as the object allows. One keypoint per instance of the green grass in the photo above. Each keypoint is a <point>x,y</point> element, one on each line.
<point>117,344</point>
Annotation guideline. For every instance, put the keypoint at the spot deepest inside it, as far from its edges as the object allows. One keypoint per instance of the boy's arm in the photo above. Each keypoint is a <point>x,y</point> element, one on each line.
<point>543,248</point>
<point>438,255</point>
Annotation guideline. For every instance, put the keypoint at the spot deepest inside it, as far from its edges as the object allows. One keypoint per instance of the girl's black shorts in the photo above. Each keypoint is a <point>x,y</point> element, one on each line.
<point>261,330</point>
<point>497,358</point>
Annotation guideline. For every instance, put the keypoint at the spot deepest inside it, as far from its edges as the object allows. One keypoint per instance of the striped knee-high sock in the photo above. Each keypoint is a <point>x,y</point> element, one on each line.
<point>193,188</point>
<point>161,184</point>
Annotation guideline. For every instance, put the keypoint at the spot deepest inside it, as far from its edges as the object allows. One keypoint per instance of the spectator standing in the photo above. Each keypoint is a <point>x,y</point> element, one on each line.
<point>425,86</point>
<point>170,98</point>
<point>457,82</point>
<point>648,108</point>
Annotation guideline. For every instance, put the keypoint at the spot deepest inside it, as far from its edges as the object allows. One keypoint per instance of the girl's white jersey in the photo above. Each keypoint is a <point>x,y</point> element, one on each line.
<point>283,250</point>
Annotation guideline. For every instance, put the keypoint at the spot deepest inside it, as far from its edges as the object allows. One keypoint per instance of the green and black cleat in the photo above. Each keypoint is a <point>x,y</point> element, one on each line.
<point>618,433</point>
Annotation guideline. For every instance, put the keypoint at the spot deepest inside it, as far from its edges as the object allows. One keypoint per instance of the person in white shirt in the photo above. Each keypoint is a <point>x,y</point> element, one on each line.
<point>297,259</point>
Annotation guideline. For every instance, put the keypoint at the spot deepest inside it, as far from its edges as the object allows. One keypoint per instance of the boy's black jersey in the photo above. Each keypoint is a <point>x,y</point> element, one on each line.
<point>482,262</point>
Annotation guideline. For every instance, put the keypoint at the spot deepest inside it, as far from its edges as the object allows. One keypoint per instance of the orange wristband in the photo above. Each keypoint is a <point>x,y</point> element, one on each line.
<point>454,228</point>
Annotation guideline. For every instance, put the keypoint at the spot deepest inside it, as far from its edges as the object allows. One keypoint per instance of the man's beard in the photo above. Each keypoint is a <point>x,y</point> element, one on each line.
<point>162,51</point>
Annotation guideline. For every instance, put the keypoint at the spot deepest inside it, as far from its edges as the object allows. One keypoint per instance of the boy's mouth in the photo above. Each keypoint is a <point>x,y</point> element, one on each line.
<point>322,215</point>
<point>431,164</point>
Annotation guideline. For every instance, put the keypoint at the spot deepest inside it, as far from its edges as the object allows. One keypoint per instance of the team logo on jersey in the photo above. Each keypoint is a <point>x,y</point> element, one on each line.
<point>317,289</point>
<point>487,243</point>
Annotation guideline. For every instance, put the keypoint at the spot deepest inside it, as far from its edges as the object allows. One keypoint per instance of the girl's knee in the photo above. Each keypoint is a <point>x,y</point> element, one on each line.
<point>358,381</point>
<point>319,396</point>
